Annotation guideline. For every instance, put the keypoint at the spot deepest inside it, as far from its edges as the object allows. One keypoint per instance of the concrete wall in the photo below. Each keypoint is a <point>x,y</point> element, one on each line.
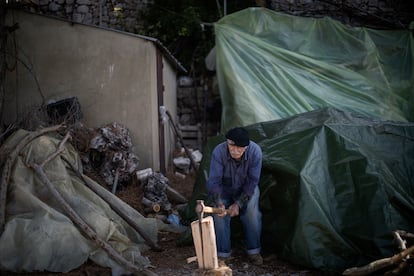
<point>113,74</point>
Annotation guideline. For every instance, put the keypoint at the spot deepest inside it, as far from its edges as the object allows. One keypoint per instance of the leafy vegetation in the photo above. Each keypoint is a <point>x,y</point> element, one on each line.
<point>186,28</point>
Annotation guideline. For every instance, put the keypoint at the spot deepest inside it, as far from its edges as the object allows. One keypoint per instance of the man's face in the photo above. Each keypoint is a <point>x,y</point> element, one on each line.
<point>236,152</point>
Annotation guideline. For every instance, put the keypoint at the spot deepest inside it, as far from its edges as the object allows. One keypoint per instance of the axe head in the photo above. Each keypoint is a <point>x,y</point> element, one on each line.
<point>200,209</point>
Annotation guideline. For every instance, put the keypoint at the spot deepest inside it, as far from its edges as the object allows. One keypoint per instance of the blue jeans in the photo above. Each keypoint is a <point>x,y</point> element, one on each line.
<point>251,219</point>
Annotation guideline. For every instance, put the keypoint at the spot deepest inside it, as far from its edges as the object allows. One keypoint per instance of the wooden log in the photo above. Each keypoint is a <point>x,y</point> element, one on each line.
<point>222,270</point>
<point>191,259</point>
<point>405,235</point>
<point>379,264</point>
<point>398,270</point>
<point>151,206</point>
<point>402,244</point>
<point>205,243</point>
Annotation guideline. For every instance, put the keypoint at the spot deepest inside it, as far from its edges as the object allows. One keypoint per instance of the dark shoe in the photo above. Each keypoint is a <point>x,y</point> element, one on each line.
<point>256,259</point>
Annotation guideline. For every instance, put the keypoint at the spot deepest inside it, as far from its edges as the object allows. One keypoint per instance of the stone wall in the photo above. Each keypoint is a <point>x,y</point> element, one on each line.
<point>122,15</point>
<point>379,14</point>
<point>199,104</point>
<point>125,14</point>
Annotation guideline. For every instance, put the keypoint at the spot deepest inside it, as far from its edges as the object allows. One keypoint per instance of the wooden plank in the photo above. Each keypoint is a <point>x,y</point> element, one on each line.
<point>206,250</point>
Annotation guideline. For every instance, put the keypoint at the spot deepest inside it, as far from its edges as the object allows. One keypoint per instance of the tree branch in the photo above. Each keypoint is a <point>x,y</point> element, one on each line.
<point>84,227</point>
<point>116,208</point>
<point>5,176</point>
<point>379,264</point>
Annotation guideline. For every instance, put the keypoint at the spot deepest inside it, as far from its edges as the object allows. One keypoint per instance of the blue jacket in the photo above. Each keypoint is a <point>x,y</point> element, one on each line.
<point>232,180</point>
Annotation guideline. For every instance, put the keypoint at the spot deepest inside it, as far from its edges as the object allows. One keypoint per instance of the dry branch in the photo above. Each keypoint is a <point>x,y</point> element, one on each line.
<point>405,235</point>
<point>398,270</point>
<point>401,243</point>
<point>5,176</point>
<point>379,264</point>
<point>85,228</point>
<point>116,208</point>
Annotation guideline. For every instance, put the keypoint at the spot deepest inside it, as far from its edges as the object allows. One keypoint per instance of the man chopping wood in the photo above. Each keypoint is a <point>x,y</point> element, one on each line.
<point>233,187</point>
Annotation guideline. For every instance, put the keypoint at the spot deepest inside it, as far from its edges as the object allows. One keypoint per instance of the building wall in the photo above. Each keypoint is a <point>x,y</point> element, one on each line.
<point>113,74</point>
<point>170,102</point>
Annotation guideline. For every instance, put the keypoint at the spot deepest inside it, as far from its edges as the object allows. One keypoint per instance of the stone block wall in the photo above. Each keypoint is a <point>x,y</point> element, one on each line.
<point>125,14</point>
<point>122,15</point>
<point>378,14</point>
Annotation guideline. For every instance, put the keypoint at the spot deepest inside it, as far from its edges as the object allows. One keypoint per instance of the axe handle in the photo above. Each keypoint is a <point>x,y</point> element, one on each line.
<point>214,210</point>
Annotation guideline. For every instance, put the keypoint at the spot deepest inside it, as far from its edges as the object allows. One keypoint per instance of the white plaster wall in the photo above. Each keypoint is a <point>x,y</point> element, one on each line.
<point>113,75</point>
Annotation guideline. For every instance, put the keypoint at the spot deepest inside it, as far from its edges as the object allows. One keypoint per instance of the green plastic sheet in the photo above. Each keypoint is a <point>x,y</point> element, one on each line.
<point>271,66</point>
<point>334,186</point>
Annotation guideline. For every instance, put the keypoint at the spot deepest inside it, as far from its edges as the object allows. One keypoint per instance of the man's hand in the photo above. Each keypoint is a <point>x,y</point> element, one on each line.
<point>234,210</point>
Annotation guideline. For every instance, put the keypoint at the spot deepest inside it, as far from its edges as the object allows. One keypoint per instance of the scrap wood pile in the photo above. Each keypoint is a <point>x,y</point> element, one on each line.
<point>398,264</point>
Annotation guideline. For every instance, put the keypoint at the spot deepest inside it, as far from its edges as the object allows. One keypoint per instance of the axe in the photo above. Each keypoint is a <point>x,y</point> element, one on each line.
<point>201,209</point>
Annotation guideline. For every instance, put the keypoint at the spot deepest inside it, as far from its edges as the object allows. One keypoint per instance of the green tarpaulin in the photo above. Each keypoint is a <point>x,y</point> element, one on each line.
<point>331,107</point>
<point>334,187</point>
<point>271,66</point>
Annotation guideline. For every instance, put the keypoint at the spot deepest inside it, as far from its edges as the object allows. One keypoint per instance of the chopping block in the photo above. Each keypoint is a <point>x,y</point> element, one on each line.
<point>206,248</point>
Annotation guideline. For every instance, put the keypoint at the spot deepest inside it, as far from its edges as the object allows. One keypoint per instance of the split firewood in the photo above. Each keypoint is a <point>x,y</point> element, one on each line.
<point>86,229</point>
<point>191,259</point>
<point>5,176</point>
<point>379,264</point>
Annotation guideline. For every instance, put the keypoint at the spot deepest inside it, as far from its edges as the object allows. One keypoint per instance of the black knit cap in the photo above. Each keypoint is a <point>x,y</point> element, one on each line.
<point>239,135</point>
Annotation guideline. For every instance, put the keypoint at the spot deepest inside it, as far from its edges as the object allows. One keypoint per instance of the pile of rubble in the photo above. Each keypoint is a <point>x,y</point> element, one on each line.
<point>109,151</point>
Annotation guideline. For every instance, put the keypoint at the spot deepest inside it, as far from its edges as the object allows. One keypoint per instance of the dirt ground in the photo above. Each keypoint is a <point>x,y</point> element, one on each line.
<point>172,260</point>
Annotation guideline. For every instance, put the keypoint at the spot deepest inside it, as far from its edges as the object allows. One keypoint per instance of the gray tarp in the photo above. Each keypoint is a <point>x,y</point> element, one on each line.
<point>271,65</point>
<point>333,187</point>
<point>39,235</point>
